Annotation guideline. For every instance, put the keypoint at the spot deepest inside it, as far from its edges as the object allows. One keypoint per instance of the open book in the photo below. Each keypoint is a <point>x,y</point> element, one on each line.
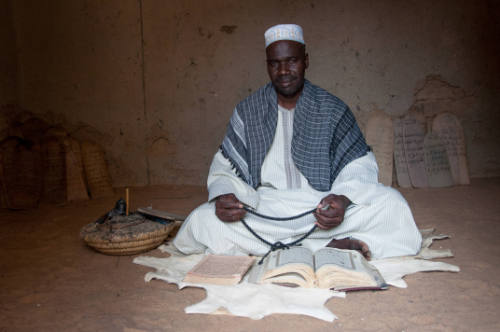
<point>219,270</point>
<point>337,269</point>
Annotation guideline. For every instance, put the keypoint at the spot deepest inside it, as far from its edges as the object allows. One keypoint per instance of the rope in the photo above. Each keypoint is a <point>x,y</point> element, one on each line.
<point>278,244</point>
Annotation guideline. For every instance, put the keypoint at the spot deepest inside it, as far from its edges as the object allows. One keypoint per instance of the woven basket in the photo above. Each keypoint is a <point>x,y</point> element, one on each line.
<point>125,235</point>
<point>76,189</point>
<point>96,170</point>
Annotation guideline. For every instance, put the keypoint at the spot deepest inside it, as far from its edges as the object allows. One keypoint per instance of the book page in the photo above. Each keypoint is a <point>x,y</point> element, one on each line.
<point>361,264</point>
<point>295,255</point>
<point>333,256</point>
<point>256,273</point>
<point>286,264</point>
<point>346,270</point>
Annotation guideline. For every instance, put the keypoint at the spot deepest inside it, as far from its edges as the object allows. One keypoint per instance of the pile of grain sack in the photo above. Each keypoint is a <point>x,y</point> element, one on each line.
<point>40,163</point>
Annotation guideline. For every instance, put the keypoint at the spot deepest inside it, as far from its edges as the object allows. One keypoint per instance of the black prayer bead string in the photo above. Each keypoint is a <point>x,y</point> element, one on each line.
<point>278,218</point>
<point>278,244</point>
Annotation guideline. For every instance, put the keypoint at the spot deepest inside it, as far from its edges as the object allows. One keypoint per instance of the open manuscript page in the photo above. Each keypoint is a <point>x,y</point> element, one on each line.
<point>325,256</point>
<point>327,268</point>
<point>294,266</point>
<point>345,269</point>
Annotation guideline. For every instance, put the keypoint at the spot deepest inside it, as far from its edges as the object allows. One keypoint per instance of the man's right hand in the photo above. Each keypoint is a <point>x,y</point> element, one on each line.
<point>228,208</point>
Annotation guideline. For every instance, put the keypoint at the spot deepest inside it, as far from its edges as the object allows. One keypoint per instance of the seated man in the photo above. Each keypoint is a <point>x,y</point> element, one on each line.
<point>290,147</point>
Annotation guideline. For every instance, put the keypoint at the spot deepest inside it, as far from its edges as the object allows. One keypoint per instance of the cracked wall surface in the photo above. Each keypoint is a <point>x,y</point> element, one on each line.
<point>155,82</point>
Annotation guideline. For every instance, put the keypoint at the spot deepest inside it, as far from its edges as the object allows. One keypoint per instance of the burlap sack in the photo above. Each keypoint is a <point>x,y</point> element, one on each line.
<point>54,170</point>
<point>20,178</point>
<point>76,188</point>
<point>96,170</point>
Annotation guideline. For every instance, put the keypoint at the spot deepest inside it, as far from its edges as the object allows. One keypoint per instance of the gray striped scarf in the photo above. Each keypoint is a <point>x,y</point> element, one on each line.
<point>325,137</point>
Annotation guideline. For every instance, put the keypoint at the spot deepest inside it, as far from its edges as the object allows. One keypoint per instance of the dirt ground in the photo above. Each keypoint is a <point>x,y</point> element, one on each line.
<point>51,281</point>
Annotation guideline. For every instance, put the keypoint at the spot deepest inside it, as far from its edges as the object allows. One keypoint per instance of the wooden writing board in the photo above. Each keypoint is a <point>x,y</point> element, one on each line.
<point>449,129</point>
<point>436,162</point>
<point>413,143</point>
<point>380,137</point>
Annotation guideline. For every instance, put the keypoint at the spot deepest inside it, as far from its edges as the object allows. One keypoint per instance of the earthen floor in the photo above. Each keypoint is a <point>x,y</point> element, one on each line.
<point>51,281</point>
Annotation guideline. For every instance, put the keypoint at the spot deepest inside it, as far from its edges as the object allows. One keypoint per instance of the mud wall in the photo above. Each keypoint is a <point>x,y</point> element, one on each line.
<point>8,68</point>
<point>155,81</point>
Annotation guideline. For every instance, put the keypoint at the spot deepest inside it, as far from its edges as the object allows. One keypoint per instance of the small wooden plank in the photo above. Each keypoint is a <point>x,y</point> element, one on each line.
<point>400,164</point>
<point>161,214</point>
<point>413,142</point>
<point>436,162</point>
<point>380,137</point>
<point>448,128</point>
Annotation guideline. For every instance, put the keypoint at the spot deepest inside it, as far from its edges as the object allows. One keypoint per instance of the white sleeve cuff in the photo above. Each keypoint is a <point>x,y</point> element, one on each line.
<point>222,179</point>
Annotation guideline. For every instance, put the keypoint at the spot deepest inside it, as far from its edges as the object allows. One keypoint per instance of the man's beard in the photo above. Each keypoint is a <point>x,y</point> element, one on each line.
<point>290,91</point>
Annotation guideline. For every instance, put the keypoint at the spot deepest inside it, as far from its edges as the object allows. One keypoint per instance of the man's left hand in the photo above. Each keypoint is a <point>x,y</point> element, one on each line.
<point>334,214</point>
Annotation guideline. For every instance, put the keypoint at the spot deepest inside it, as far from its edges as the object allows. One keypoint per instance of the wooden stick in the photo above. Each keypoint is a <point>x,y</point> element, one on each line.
<point>127,200</point>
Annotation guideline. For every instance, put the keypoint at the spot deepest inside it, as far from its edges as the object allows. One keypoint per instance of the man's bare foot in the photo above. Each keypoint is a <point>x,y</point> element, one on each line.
<point>352,244</point>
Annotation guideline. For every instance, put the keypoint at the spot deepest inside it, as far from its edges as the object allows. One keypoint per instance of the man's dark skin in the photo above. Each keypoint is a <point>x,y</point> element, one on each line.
<point>287,62</point>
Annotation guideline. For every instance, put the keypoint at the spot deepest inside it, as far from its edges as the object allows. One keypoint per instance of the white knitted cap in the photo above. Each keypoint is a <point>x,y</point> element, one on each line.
<point>284,32</point>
